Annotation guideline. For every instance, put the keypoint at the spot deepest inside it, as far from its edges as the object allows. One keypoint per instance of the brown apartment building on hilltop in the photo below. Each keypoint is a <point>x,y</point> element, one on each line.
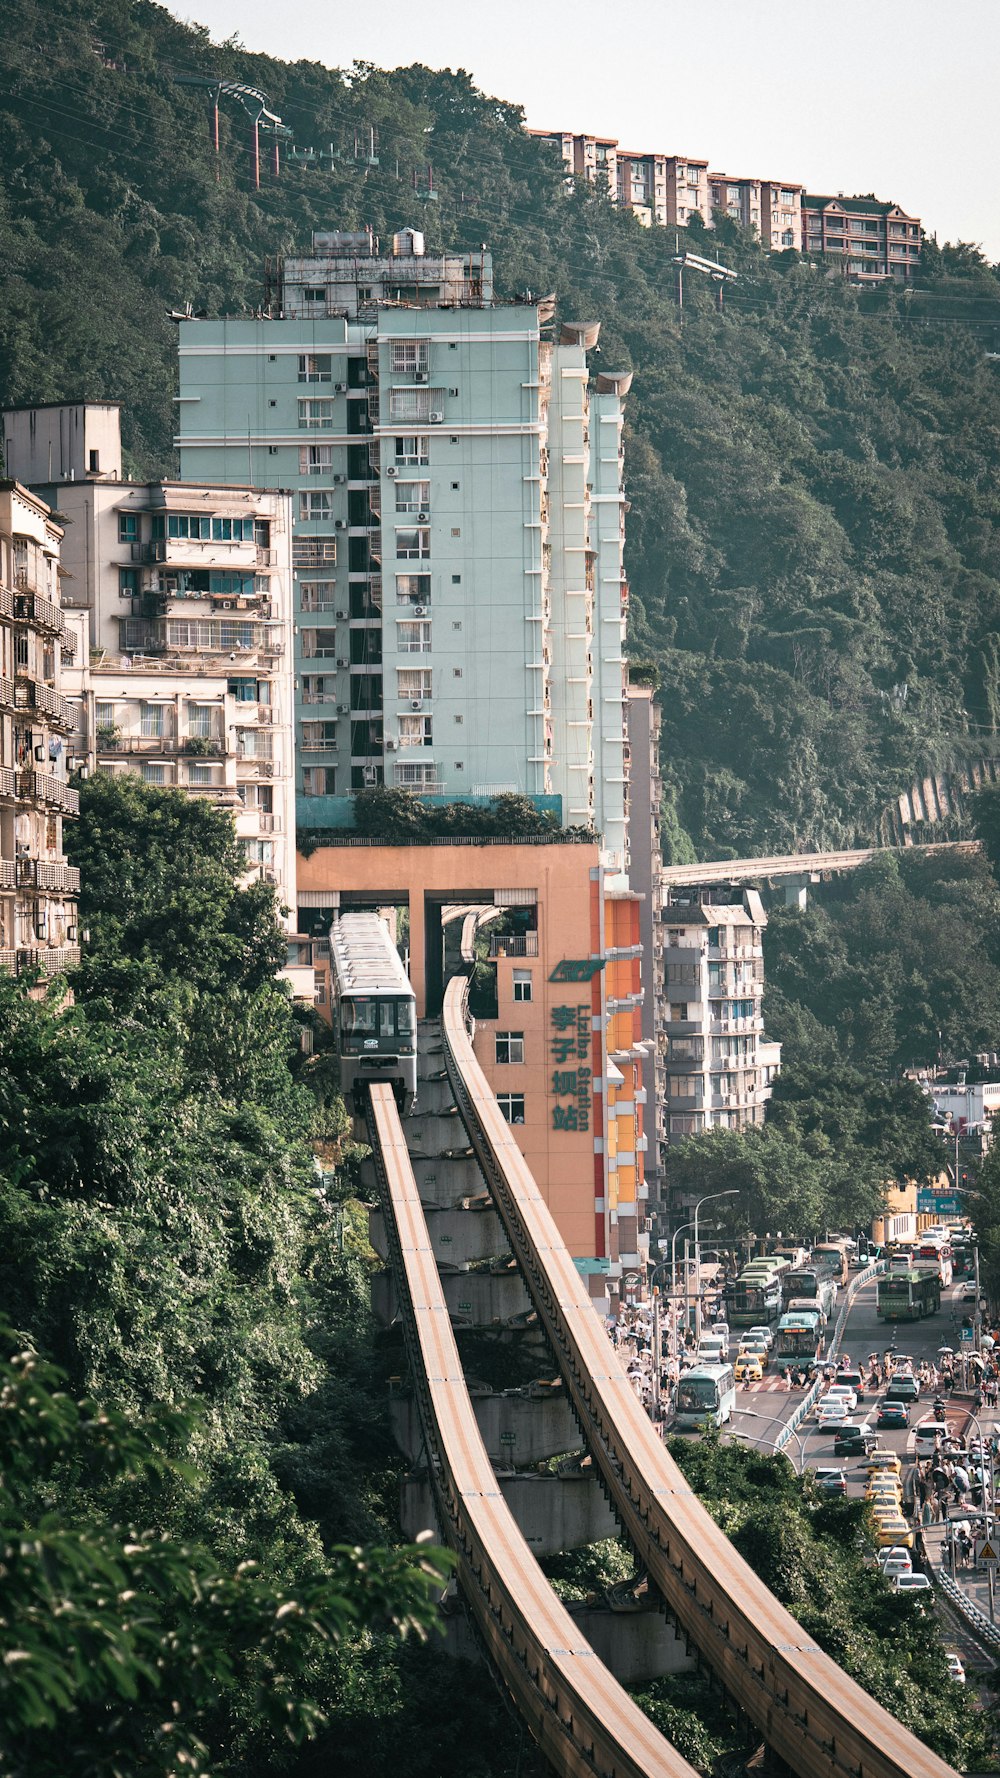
<point>869,240</point>
<point>771,206</point>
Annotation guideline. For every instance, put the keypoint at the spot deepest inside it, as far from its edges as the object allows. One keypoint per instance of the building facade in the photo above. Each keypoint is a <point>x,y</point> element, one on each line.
<point>179,597</point>
<point>710,1024</point>
<point>38,889</point>
<point>645,792</point>
<point>772,208</point>
<point>457,526</point>
<point>869,241</point>
<point>657,188</point>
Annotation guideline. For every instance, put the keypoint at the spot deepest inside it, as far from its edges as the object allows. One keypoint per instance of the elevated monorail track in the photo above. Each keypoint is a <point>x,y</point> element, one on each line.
<point>579,1715</point>
<point>811,1714</point>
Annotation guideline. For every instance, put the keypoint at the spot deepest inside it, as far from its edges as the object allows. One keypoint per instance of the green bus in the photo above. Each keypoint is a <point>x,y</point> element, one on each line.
<point>908,1296</point>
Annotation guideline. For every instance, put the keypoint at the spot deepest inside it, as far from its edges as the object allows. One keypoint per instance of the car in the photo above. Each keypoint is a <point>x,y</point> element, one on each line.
<point>748,1368</point>
<point>755,1343</point>
<point>884,1508</point>
<point>762,1333</point>
<point>832,1481</point>
<point>894,1560</point>
<point>852,1379</point>
<point>842,1392</point>
<point>856,1436</point>
<point>904,1388</point>
<point>893,1531</point>
<point>955,1668</point>
<point>882,1460</point>
<point>911,1583</point>
<point>829,1411</point>
<point>895,1414</point>
<point>970,1294</point>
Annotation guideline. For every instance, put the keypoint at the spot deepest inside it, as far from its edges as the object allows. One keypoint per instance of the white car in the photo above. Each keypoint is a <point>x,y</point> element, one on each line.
<point>842,1392</point>
<point>762,1333</point>
<point>912,1583</point>
<point>895,1570</point>
<point>831,1412</point>
<point>895,1553</point>
<point>955,1668</point>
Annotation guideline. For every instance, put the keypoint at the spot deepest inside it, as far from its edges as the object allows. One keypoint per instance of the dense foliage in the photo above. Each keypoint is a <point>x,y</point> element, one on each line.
<point>812,544</point>
<point>893,965</point>
<point>400,818</point>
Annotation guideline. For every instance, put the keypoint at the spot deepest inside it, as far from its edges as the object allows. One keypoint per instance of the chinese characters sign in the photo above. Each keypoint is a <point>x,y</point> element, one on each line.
<point>569,1043</point>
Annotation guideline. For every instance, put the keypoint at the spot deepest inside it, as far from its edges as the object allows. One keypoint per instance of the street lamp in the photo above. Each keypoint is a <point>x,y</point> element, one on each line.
<point>710,1199</point>
<point>773,1420</point>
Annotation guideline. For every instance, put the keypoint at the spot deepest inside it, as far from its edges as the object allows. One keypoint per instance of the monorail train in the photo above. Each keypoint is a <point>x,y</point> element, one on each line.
<point>374,1011</point>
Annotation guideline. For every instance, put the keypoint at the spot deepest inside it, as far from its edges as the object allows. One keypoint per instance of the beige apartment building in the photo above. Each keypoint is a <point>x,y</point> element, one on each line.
<point>657,188</point>
<point>772,208</point>
<point>38,889</point>
<point>710,1022</point>
<point>178,596</point>
<point>868,240</point>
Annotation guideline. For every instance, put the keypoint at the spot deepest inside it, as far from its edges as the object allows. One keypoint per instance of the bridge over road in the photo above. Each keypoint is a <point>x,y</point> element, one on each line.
<point>797,869</point>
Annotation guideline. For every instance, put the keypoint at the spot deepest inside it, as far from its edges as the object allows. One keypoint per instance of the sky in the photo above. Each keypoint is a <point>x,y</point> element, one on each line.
<point>891,96</point>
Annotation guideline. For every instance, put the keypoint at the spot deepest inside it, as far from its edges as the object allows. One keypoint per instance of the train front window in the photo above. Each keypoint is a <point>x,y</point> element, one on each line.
<point>370,1023</point>
<point>405,1019</point>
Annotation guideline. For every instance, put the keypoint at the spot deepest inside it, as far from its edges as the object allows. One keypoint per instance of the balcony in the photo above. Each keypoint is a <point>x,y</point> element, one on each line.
<point>31,694</point>
<point>6,602</point>
<point>36,873</point>
<point>314,552</point>
<point>50,961</point>
<point>8,782</point>
<point>41,787</point>
<point>8,873</point>
<point>31,608</point>
<point>524,944</point>
<point>7,699</point>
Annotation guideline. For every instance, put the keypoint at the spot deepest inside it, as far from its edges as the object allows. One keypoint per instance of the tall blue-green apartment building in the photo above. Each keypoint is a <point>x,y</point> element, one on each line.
<point>458,526</point>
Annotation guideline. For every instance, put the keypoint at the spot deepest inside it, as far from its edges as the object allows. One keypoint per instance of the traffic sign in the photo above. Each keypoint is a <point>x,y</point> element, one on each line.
<point>987,1553</point>
<point>936,1203</point>
<point>968,1335</point>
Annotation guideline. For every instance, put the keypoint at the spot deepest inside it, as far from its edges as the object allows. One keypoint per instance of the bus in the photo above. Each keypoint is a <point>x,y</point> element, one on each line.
<point>829,1258</point>
<point>808,1285</point>
<point>908,1296</point>
<point>936,1254</point>
<point>706,1393</point>
<point>798,1334</point>
<point>752,1302</point>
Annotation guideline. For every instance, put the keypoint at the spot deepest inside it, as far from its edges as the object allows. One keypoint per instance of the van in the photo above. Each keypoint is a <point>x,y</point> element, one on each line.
<point>714,1349</point>
<point>719,1330</point>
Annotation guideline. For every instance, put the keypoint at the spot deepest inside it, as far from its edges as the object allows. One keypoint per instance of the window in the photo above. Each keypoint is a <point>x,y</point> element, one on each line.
<point>509,1047</point>
<point>319,689</point>
<point>104,715</point>
<point>412,777</point>
<point>413,638</point>
<point>199,721</point>
<point>315,459</point>
<point>415,731</point>
<point>318,595</point>
<point>316,416</point>
<point>259,851</point>
<point>412,545</point>
<point>199,774</point>
<point>414,404</point>
<point>522,984</point>
<point>314,293</point>
<point>318,503</point>
<point>413,682</point>
<point>413,496</point>
<point>319,643</point>
<point>682,1086</point>
<point>413,589</point>
<point>319,737</point>
<point>678,1010</point>
<point>232,530</point>
<point>244,691</point>
<point>413,450</point>
<point>315,367</point>
<point>409,356</point>
<point>128,583</point>
<point>318,780</point>
<point>128,527</point>
<point>152,773</point>
<point>512,1107</point>
<point>152,721</point>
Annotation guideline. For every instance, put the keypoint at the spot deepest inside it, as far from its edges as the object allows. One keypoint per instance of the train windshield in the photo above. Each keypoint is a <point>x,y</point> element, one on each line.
<point>367,1021</point>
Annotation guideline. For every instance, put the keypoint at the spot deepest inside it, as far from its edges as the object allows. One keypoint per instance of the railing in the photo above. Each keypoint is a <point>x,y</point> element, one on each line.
<point>41,787</point>
<point>8,781</point>
<point>8,873</point>
<point>37,873</point>
<point>7,693</point>
<point>50,961</point>
<point>816,1719</point>
<point>523,944</point>
<point>32,608</point>
<point>313,552</point>
<point>32,694</point>
<point>6,605</point>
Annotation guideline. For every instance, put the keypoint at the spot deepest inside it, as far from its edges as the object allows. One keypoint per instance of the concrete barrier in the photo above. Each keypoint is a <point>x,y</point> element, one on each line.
<point>813,1394</point>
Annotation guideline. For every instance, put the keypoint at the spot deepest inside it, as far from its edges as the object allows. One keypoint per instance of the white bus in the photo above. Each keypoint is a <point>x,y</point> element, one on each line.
<point>708,1392</point>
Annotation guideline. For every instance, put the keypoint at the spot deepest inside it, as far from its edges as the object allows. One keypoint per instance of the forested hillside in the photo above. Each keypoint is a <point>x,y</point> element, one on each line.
<point>812,542</point>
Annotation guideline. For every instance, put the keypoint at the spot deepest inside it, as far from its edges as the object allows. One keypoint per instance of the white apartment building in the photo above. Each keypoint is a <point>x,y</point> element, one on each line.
<point>710,1025</point>
<point>179,597</point>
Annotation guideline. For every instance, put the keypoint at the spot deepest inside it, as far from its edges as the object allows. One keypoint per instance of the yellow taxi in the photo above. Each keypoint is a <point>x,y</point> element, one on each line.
<point>884,1482</point>
<point>882,1460</point>
<point>889,1532</point>
<point>748,1368</point>
<point>884,1509</point>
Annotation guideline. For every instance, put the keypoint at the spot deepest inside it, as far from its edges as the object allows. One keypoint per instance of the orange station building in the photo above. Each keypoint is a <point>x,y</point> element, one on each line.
<point>565,1053</point>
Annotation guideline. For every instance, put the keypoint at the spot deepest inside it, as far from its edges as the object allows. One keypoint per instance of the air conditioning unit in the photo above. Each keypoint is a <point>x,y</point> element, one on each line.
<point>343,663</point>
<point>339,480</point>
<point>391,469</point>
<point>228,605</point>
<point>340,388</point>
<point>267,768</point>
<point>343,709</point>
<point>423,518</point>
<point>391,746</point>
<point>416,703</point>
<point>342,615</point>
<point>436,419</point>
<point>420,376</point>
<point>340,524</point>
<point>420,610</point>
<point>269,876</point>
